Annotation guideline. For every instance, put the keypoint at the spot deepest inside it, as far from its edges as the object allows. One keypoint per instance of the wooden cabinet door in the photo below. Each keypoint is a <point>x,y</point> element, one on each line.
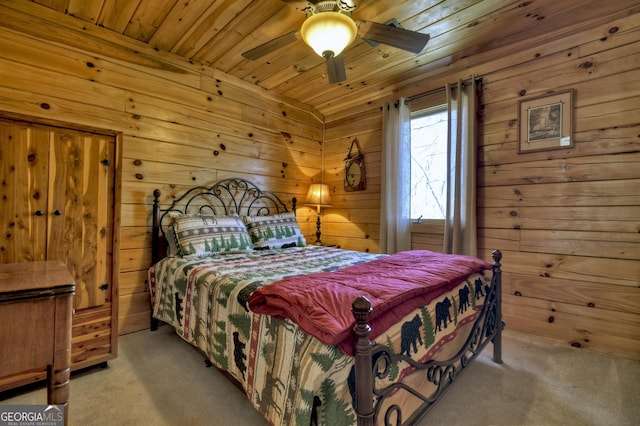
<point>24,182</point>
<point>80,208</point>
<point>57,194</point>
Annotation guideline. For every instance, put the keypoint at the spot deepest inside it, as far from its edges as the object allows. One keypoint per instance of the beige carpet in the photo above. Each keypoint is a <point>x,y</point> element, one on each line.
<point>158,379</point>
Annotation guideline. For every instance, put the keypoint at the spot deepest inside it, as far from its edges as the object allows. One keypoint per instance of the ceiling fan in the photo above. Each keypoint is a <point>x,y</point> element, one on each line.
<point>329,29</point>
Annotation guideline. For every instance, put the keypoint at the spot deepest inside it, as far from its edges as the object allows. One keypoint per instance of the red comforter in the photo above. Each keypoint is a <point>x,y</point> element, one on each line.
<point>395,285</point>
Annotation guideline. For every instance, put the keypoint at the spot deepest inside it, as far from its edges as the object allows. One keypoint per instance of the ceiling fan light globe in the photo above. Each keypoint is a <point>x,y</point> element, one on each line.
<point>328,32</point>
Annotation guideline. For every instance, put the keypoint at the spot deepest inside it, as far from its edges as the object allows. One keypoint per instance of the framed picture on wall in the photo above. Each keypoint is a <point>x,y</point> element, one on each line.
<point>546,122</point>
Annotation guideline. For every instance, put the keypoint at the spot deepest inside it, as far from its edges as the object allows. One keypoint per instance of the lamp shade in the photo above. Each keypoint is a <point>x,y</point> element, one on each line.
<point>318,195</point>
<point>328,33</point>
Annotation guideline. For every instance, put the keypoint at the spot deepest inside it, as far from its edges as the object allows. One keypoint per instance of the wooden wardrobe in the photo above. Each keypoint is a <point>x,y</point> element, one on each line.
<point>57,195</point>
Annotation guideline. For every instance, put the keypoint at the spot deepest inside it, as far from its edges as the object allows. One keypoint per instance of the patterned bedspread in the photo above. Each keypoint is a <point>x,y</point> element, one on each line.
<point>289,376</point>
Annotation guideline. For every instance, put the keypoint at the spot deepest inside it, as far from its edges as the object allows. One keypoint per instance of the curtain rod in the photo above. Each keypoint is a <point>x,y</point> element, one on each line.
<point>438,90</point>
<point>425,94</point>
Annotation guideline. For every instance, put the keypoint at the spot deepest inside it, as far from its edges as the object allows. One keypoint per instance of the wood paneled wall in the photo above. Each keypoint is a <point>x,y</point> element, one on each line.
<point>353,221</point>
<point>178,124</point>
<point>567,221</point>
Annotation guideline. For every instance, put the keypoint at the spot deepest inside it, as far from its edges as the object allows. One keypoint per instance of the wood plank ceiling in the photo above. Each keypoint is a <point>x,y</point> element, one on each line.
<point>216,32</point>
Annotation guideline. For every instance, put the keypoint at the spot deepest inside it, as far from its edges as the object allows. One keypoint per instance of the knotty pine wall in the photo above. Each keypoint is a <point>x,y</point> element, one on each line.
<point>178,124</point>
<point>567,221</point>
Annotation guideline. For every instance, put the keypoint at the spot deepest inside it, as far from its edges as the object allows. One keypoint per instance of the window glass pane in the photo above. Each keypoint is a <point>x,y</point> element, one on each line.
<point>429,163</point>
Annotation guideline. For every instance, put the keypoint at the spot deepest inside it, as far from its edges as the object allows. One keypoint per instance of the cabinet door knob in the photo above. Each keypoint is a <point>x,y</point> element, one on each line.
<point>57,212</point>
<point>39,213</point>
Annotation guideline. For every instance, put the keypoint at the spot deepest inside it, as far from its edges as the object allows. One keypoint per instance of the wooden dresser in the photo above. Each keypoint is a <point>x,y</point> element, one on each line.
<point>36,304</point>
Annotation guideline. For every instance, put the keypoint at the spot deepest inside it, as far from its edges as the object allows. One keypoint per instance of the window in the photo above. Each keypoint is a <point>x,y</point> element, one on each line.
<point>429,163</point>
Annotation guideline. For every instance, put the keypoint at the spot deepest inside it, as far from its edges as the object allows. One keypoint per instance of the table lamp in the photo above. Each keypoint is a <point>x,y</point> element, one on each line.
<point>318,196</point>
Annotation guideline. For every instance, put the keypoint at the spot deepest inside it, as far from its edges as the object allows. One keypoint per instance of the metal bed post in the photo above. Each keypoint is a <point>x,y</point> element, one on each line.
<point>155,243</point>
<point>361,309</point>
<point>497,278</point>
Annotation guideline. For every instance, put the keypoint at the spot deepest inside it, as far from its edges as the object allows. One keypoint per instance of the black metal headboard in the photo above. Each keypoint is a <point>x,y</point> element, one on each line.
<point>226,197</point>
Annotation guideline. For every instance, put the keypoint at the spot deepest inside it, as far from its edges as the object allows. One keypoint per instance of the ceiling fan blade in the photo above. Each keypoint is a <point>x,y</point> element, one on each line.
<point>336,69</point>
<point>272,45</point>
<point>411,41</point>
<point>300,4</point>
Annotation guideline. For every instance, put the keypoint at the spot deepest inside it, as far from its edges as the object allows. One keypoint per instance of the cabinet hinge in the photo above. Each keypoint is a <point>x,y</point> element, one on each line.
<point>106,162</point>
<point>104,286</point>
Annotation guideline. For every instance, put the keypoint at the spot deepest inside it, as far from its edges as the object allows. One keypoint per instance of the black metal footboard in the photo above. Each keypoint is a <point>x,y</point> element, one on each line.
<point>371,395</point>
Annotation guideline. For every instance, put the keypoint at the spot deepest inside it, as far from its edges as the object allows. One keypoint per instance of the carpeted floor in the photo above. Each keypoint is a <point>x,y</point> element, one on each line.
<point>158,379</point>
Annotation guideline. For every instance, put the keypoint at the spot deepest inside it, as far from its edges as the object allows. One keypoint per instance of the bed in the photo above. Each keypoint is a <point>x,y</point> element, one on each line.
<point>312,334</point>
